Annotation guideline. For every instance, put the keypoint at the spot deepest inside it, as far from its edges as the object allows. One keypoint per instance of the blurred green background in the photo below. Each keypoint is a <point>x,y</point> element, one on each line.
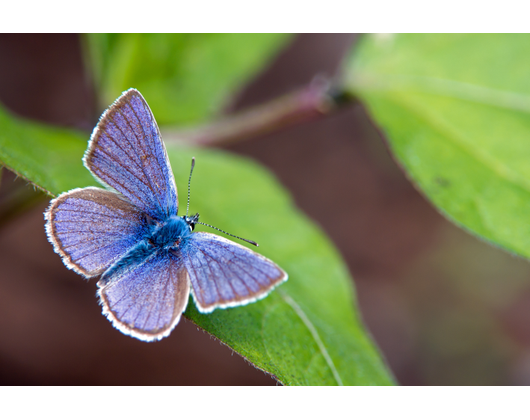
<point>444,307</point>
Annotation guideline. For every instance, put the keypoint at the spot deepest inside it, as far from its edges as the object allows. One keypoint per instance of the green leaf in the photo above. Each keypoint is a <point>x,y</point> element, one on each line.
<point>455,110</point>
<point>187,77</point>
<point>307,331</point>
<point>47,156</point>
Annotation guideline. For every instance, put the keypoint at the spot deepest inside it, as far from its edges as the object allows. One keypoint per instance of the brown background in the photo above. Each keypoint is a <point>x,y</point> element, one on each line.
<point>444,307</point>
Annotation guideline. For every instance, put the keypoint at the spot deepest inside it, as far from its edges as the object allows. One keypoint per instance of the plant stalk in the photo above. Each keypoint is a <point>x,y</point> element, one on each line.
<point>317,99</point>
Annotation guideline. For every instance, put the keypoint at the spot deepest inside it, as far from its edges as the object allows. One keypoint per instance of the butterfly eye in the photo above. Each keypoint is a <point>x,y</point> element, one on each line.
<point>191,221</point>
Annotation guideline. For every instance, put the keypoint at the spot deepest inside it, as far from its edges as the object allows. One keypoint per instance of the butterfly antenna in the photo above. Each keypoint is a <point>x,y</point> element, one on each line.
<point>226,233</point>
<point>189,185</point>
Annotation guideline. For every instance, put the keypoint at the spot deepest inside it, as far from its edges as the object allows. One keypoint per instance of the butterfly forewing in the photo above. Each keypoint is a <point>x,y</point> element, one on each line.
<point>224,274</point>
<point>147,300</point>
<point>92,228</point>
<point>126,152</point>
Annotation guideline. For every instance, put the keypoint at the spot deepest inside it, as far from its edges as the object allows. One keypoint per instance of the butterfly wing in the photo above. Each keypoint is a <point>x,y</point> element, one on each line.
<point>147,300</point>
<point>91,228</point>
<point>126,152</point>
<point>225,274</point>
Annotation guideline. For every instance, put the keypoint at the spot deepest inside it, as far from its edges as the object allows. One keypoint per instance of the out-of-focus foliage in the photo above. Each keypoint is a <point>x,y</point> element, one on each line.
<point>456,112</point>
<point>187,77</point>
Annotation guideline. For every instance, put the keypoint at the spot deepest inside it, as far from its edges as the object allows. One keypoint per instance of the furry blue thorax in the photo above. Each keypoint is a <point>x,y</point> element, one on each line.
<point>160,237</point>
<point>169,233</point>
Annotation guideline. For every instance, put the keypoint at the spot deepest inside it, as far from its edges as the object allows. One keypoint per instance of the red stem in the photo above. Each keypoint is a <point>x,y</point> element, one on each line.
<point>307,104</point>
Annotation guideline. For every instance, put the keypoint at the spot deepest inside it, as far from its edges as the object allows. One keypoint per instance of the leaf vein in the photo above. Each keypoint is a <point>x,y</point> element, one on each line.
<point>307,322</point>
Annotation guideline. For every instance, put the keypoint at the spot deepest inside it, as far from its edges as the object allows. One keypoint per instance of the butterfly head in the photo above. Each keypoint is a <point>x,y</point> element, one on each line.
<point>191,221</point>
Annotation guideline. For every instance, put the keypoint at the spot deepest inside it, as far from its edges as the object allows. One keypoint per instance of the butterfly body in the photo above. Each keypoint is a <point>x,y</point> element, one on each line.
<point>163,238</point>
<point>149,258</point>
<point>170,233</point>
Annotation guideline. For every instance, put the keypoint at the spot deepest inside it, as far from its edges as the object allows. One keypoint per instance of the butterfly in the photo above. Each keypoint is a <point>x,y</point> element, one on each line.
<point>148,257</point>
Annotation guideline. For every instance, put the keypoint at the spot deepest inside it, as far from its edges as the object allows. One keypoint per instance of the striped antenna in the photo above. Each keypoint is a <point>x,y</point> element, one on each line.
<point>196,221</point>
<point>189,184</point>
<point>226,233</point>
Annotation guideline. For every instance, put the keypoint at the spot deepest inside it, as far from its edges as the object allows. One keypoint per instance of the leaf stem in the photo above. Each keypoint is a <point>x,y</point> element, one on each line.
<point>314,101</point>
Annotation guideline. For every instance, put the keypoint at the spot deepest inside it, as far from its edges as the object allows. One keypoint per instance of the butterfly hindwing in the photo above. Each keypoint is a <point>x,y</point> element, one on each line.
<point>225,274</point>
<point>91,228</point>
<point>126,152</point>
<point>146,301</point>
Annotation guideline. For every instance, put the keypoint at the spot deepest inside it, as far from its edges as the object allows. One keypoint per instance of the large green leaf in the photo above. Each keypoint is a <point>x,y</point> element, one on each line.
<point>456,112</point>
<point>307,331</point>
<point>187,77</point>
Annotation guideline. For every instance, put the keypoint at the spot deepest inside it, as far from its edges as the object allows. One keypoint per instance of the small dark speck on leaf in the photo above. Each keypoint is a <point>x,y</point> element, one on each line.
<point>442,182</point>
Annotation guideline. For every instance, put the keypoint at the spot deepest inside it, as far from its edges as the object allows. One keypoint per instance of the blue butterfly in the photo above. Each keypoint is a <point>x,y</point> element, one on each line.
<point>149,259</point>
